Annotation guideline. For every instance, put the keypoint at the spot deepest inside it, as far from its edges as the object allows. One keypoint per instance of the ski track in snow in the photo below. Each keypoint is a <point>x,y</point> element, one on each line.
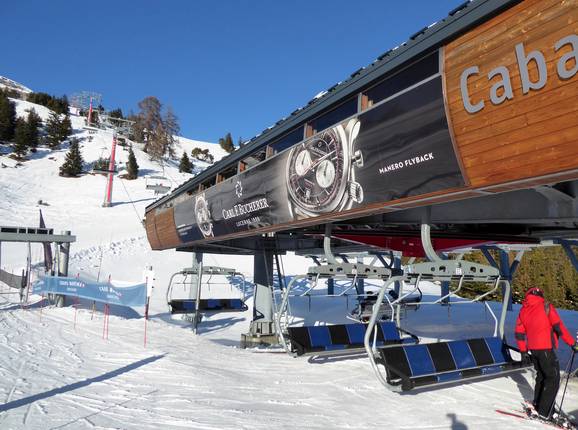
<point>195,383</point>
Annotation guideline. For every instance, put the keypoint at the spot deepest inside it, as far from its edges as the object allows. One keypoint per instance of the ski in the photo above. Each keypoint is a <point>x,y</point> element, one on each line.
<point>523,416</point>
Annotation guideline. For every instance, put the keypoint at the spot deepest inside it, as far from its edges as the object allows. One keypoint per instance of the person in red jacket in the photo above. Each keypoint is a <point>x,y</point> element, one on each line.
<point>538,328</point>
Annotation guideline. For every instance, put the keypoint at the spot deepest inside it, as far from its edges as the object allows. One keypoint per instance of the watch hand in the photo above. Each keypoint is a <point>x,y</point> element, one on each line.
<point>319,160</point>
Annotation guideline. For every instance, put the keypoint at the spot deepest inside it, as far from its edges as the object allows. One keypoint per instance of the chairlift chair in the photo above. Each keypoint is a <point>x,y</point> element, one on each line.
<point>364,309</point>
<point>200,306</point>
<point>159,184</point>
<point>338,339</point>
<point>426,365</point>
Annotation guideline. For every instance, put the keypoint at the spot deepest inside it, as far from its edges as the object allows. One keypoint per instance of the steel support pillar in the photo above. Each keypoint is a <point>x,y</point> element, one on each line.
<point>360,285</point>
<point>263,279</point>
<point>397,284</point>
<point>507,269</point>
<point>196,265</point>
<point>198,280</point>
<point>262,327</point>
<point>331,286</point>
<point>63,256</point>
<point>567,246</point>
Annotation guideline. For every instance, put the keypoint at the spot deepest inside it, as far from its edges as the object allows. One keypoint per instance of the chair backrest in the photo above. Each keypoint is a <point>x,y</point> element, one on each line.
<point>444,361</point>
<point>340,336</point>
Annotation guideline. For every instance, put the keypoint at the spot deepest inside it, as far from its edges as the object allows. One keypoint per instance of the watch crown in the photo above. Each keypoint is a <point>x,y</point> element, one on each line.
<point>357,158</point>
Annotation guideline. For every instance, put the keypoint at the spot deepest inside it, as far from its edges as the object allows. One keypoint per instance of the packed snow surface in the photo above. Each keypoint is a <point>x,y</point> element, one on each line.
<point>57,371</point>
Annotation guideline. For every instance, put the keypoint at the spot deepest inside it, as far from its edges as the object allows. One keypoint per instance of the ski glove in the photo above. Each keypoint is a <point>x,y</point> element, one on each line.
<point>575,347</point>
<point>526,358</point>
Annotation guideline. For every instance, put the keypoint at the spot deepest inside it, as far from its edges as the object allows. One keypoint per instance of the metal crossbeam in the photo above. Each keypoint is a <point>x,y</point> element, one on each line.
<point>33,235</point>
<point>451,270</point>
<point>349,270</point>
<point>210,270</point>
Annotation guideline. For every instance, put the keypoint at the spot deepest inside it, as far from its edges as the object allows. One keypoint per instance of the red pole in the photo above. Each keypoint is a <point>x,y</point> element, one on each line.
<point>110,173</point>
<point>89,113</point>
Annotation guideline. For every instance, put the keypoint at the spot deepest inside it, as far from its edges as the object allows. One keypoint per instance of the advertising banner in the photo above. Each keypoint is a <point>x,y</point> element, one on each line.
<point>398,148</point>
<point>132,296</point>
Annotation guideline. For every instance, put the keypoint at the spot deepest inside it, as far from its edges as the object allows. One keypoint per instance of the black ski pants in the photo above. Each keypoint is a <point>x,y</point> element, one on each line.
<point>547,379</point>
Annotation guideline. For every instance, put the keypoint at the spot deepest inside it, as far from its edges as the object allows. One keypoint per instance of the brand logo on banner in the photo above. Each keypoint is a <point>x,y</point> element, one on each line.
<point>239,189</point>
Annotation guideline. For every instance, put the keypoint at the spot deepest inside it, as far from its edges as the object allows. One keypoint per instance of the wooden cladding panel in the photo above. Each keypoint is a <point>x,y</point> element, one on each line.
<point>152,236</point>
<point>533,134</point>
<point>161,229</point>
<point>534,182</point>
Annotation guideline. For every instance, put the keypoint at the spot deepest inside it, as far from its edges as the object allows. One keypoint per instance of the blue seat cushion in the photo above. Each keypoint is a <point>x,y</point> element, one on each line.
<point>207,305</point>
<point>419,359</point>
<point>319,336</point>
<point>389,332</point>
<point>499,352</point>
<point>355,333</point>
<point>462,354</point>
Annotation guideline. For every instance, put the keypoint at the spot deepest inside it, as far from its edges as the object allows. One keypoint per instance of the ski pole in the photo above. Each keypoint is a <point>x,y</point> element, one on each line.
<point>567,378</point>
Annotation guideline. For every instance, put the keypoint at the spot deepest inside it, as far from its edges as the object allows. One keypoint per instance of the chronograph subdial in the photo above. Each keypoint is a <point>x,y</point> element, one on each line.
<point>325,173</point>
<point>303,162</point>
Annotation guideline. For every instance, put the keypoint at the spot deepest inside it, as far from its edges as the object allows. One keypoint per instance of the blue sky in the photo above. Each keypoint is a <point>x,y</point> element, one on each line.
<point>224,66</point>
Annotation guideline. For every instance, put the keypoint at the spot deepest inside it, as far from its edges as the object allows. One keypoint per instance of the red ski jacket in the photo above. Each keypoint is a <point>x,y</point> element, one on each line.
<point>539,326</point>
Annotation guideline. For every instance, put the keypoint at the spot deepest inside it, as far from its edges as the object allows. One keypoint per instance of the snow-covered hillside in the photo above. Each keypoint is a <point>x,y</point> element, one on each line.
<point>9,84</point>
<point>56,371</point>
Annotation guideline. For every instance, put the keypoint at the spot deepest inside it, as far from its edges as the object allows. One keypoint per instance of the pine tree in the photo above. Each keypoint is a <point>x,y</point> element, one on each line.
<point>227,143</point>
<point>185,165</point>
<point>230,147</point>
<point>72,166</point>
<point>147,122</point>
<point>65,128</point>
<point>7,118</point>
<point>20,138</point>
<point>57,129</point>
<point>53,130</point>
<point>132,165</point>
<point>171,129</point>
<point>33,122</point>
<point>116,113</point>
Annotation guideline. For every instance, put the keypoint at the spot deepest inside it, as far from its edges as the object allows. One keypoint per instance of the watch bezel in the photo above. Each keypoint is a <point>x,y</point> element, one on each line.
<point>342,140</point>
<point>205,227</point>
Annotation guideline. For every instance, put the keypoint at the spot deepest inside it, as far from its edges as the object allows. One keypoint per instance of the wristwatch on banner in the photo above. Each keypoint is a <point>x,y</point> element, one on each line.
<point>320,173</point>
<point>203,216</point>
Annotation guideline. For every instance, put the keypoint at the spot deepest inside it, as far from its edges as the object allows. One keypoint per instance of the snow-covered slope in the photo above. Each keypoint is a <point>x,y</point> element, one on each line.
<point>56,371</point>
<point>13,85</point>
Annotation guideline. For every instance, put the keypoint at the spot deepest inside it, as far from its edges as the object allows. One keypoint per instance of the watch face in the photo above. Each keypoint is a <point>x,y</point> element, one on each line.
<point>203,216</point>
<point>317,171</point>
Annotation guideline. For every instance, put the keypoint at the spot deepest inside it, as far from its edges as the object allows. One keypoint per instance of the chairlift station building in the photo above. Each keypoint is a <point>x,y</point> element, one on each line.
<point>471,126</point>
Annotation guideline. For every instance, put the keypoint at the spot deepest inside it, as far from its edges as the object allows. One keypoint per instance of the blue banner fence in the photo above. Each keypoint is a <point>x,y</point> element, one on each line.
<point>104,292</point>
<point>131,296</point>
